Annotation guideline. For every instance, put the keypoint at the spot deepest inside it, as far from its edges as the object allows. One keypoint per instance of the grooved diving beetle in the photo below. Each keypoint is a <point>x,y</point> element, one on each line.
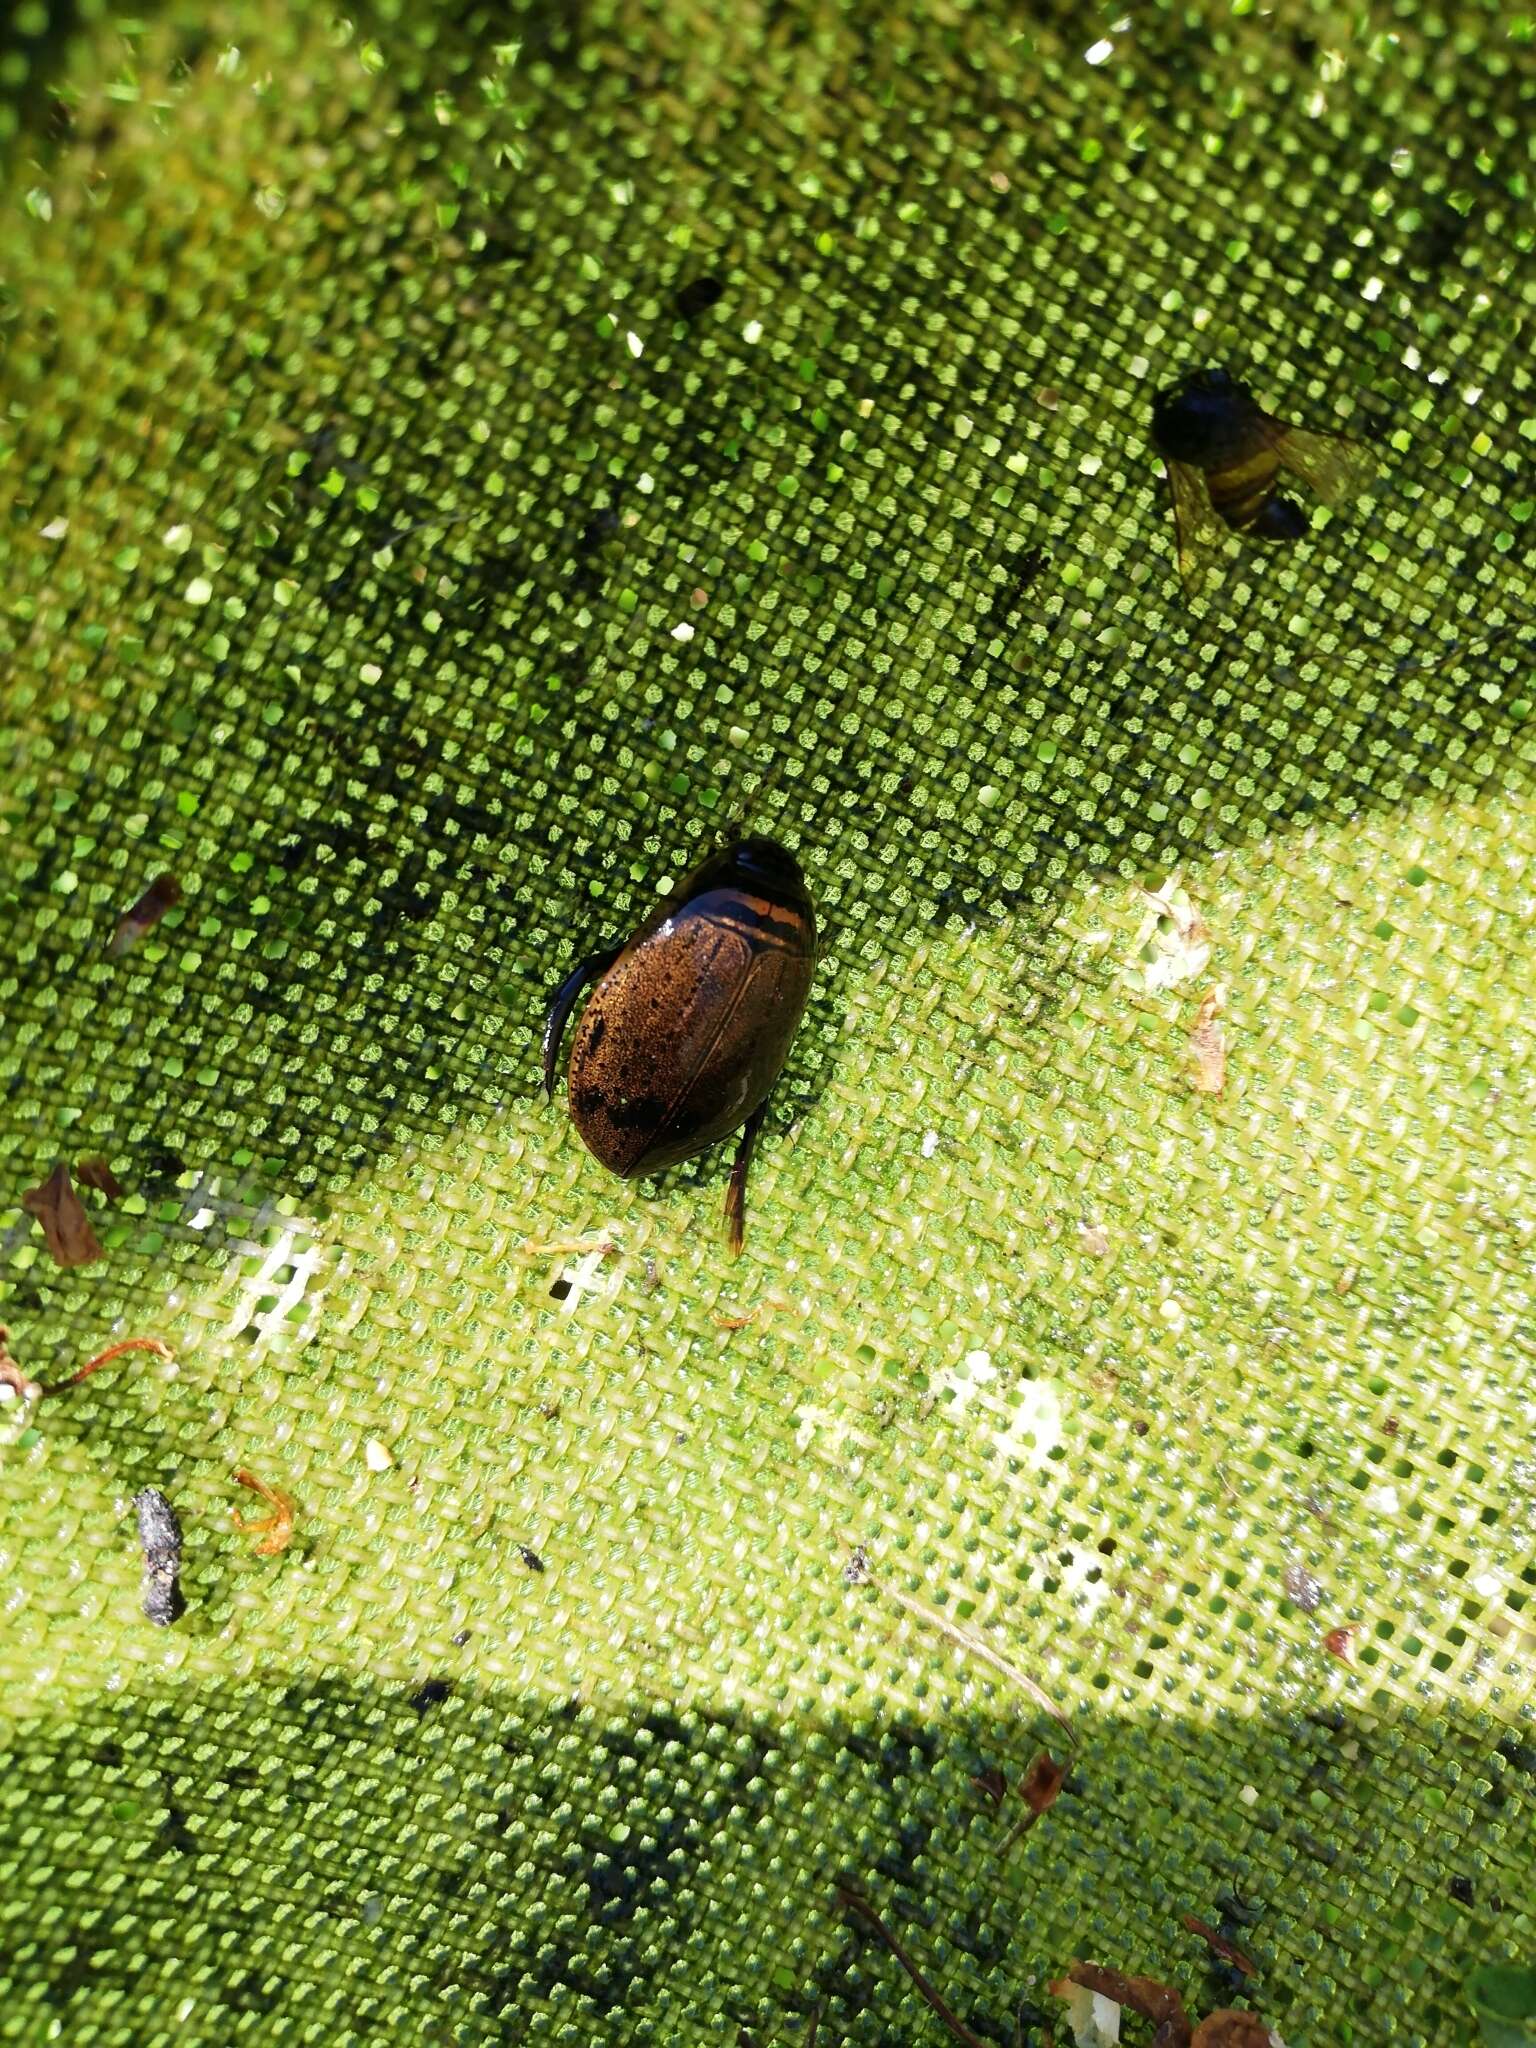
<point>689,1025</point>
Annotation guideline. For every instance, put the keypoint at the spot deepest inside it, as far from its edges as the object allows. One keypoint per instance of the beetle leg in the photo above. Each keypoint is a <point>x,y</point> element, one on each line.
<point>563,1002</point>
<point>736,1193</point>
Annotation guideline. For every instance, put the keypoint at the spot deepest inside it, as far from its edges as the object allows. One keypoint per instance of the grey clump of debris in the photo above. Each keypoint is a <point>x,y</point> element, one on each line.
<point>160,1539</point>
<point>1302,1589</point>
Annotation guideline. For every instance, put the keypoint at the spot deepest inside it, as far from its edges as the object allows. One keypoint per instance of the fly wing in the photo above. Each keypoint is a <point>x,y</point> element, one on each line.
<point>1201,531</point>
<point>1334,467</point>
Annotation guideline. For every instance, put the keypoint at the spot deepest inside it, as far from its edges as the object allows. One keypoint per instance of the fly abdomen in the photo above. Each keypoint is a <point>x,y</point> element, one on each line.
<point>1240,493</point>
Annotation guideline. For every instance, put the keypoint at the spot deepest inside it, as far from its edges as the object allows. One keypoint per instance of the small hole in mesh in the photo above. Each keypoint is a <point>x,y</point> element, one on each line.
<point>560,1289</point>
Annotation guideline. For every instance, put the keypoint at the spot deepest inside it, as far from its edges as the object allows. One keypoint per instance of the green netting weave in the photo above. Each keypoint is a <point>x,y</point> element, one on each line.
<point>457,463</point>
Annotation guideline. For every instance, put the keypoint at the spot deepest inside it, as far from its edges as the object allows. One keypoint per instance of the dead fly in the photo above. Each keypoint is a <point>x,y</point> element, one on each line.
<point>160,1540</point>
<point>599,529</point>
<point>1224,457</point>
<point>162,895</point>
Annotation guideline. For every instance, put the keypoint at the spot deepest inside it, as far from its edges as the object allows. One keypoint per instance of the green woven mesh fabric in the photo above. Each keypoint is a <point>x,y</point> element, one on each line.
<point>458,465</point>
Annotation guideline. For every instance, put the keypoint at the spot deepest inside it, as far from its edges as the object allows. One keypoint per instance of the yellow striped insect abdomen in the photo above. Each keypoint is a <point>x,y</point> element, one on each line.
<point>1240,491</point>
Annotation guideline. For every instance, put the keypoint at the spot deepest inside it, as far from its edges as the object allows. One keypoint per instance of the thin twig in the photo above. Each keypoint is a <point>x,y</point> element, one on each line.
<point>106,1357</point>
<point>1219,1945</point>
<point>738,1322</point>
<point>1020,1827</point>
<point>853,1902</point>
<point>276,1529</point>
<point>965,1640</point>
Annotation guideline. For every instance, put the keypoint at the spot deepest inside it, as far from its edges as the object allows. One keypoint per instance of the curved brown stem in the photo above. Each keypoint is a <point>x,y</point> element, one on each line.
<point>106,1357</point>
<point>855,1903</point>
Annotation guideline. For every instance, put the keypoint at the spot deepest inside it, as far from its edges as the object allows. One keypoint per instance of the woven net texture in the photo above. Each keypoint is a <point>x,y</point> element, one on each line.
<point>458,466</point>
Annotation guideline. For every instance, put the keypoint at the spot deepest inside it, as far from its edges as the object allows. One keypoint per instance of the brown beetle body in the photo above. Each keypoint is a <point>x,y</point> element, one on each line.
<point>690,1023</point>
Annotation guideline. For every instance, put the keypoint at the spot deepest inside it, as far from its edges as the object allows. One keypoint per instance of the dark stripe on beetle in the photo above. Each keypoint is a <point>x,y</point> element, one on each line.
<point>768,930</point>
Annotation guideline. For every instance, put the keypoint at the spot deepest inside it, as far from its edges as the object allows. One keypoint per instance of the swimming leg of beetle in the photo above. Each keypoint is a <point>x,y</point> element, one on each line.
<point>736,1193</point>
<point>563,1002</point>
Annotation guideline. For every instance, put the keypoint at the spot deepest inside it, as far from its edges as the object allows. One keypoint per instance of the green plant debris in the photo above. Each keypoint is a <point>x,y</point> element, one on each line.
<point>1503,1998</point>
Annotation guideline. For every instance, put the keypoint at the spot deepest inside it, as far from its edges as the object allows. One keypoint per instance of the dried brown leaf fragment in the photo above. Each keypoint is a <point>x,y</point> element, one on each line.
<point>1232,2029</point>
<point>162,895</point>
<point>95,1173</point>
<point>1208,1046</point>
<point>67,1228</point>
<point>1039,1790</point>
